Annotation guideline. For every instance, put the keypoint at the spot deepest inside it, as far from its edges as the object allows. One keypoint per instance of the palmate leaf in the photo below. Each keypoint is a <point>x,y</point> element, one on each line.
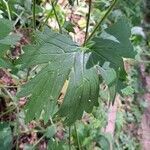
<point>63,60</point>
<point>113,45</point>
<point>6,41</point>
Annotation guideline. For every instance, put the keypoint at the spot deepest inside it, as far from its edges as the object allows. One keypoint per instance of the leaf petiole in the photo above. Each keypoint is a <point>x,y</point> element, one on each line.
<point>101,21</point>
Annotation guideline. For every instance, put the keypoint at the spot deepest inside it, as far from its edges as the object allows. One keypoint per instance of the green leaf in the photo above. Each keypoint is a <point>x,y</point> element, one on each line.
<point>128,91</point>
<point>28,147</point>
<point>53,145</point>
<point>108,74</point>
<point>6,27</point>
<point>83,90</point>
<point>11,39</point>
<point>104,141</point>
<point>6,136</point>
<point>110,77</point>
<point>61,59</point>
<point>50,131</point>
<point>69,26</point>
<point>113,46</point>
<point>5,63</point>
<point>7,40</point>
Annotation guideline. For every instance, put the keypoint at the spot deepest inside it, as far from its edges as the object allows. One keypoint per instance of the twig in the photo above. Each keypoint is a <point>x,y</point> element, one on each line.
<point>88,21</point>
<point>18,17</point>
<point>101,21</point>
<point>48,16</point>
<point>69,138</point>
<point>8,111</point>
<point>8,10</point>
<point>38,142</point>
<point>79,146</point>
<point>55,13</point>
<point>34,17</point>
<point>14,99</point>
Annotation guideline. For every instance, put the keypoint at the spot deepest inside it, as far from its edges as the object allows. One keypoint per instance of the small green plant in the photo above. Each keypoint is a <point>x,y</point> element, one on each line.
<point>56,61</point>
<point>61,59</point>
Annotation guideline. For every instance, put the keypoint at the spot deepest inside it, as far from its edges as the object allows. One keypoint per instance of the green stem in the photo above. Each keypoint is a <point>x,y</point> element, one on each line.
<point>34,17</point>
<point>8,111</point>
<point>46,20</point>
<point>143,61</point>
<point>8,10</point>
<point>55,13</point>
<point>79,146</point>
<point>38,142</point>
<point>28,73</point>
<point>48,16</point>
<point>88,21</point>
<point>13,98</point>
<point>69,138</point>
<point>18,17</point>
<point>101,21</point>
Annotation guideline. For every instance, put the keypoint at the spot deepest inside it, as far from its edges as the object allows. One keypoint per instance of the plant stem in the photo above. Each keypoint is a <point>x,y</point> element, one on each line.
<point>69,138</point>
<point>8,10</point>
<point>46,20</point>
<point>38,142</point>
<point>28,73</point>
<point>13,98</point>
<point>88,21</point>
<point>18,17</point>
<point>79,146</point>
<point>55,13</point>
<point>34,17</point>
<point>8,111</point>
<point>101,21</point>
<point>48,16</point>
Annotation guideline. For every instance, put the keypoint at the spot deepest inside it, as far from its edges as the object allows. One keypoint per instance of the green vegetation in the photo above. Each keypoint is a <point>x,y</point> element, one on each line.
<point>63,64</point>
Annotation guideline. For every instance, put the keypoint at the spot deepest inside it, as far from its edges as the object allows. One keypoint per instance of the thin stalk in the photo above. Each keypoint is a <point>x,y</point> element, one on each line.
<point>34,17</point>
<point>146,54</point>
<point>8,111</point>
<point>38,142</point>
<point>55,13</point>
<point>77,2</point>
<point>33,130</point>
<point>88,21</point>
<point>46,20</point>
<point>18,17</point>
<point>143,61</point>
<point>18,122</point>
<point>69,138</point>
<point>48,16</point>
<point>101,21</point>
<point>8,86</point>
<point>14,99</point>
<point>79,146</point>
<point>28,73</point>
<point>8,10</point>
